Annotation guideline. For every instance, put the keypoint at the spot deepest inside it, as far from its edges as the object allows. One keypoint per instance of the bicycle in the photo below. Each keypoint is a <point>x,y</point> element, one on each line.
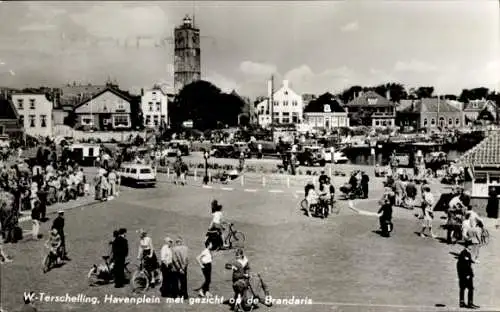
<point>50,260</point>
<point>142,278</point>
<point>254,293</point>
<point>234,238</point>
<point>103,273</point>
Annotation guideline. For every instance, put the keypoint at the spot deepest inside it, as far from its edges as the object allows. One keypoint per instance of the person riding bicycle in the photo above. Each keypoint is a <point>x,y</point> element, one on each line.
<point>216,224</point>
<point>148,256</point>
<point>54,243</point>
<point>312,198</point>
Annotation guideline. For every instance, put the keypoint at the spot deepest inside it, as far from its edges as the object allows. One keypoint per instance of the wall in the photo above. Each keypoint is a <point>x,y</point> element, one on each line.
<point>149,107</point>
<point>42,108</point>
<point>453,115</point>
<point>103,136</point>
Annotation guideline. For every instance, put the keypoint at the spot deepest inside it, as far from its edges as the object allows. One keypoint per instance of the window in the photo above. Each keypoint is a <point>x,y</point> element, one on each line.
<point>384,123</point>
<point>32,121</point>
<point>154,93</point>
<point>145,170</point>
<point>457,121</point>
<point>43,121</point>
<point>441,121</point>
<point>285,120</point>
<point>276,120</point>
<point>295,117</point>
<point>120,106</point>
<point>433,122</point>
<point>127,170</point>
<point>20,104</point>
<point>148,119</point>
<point>450,121</point>
<point>87,120</point>
<point>294,102</point>
<point>32,103</point>
<point>286,114</point>
<point>151,107</point>
<point>155,120</point>
<point>275,103</point>
<point>133,170</point>
<point>377,123</point>
<point>276,114</point>
<point>21,120</point>
<point>121,121</point>
<point>425,122</point>
<point>480,178</point>
<point>91,152</point>
<point>158,106</point>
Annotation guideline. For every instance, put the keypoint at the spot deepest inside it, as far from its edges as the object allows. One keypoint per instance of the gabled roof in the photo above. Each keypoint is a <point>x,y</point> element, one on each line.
<point>486,153</point>
<point>7,110</point>
<point>366,98</point>
<point>74,95</point>
<point>430,105</point>
<point>477,105</point>
<point>319,104</point>
<point>124,95</point>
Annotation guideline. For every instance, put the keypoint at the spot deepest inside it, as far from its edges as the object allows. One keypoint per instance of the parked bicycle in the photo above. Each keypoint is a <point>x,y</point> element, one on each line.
<point>103,273</point>
<point>142,278</point>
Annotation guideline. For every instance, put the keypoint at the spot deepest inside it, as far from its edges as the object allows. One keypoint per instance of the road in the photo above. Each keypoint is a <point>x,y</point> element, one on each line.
<point>338,263</point>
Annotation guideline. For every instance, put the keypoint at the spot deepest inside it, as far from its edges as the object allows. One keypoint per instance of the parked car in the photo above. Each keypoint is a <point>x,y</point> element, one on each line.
<point>338,157</point>
<point>137,175</point>
<point>222,150</point>
<point>183,145</point>
<point>268,148</point>
<point>311,155</point>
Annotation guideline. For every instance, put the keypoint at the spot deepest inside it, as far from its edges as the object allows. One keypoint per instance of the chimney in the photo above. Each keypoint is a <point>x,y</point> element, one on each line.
<point>388,95</point>
<point>269,88</point>
<point>285,84</point>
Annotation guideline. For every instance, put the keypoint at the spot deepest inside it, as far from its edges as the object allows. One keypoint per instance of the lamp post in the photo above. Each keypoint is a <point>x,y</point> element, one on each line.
<point>206,155</point>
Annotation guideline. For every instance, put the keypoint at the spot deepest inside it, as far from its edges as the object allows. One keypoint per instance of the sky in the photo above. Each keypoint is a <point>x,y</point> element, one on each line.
<point>318,46</point>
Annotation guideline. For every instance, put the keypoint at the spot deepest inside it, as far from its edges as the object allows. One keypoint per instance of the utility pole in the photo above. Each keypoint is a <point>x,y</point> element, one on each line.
<point>272,106</point>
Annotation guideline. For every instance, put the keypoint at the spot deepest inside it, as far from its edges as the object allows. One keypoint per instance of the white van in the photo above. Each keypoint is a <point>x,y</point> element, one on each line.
<point>137,175</point>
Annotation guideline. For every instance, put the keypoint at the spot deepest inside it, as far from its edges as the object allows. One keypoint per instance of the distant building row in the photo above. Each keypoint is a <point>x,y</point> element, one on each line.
<point>285,106</point>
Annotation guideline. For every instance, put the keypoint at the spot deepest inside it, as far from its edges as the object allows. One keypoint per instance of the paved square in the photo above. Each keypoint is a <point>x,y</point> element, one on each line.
<point>339,263</point>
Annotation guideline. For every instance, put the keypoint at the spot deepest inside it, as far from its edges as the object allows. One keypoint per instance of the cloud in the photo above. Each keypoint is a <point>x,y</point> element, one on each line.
<point>257,69</point>
<point>352,26</point>
<point>117,21</point>
<point>414,66</point>
<point>304,80</point>
<point>224,83</point>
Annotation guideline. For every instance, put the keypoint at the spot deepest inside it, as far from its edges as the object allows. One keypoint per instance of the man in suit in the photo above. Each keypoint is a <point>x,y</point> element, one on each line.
<point>180,265</point>
<point>58,224</point>
<point>466,276</point>
<point>120,253</point>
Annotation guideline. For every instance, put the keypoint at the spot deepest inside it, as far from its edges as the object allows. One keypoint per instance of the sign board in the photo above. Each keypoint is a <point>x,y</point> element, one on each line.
<point>188,124</point>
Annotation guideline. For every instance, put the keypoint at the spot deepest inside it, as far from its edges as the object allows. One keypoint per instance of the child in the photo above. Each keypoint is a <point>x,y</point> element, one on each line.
<point>86,186</point>
<point>205,261</point>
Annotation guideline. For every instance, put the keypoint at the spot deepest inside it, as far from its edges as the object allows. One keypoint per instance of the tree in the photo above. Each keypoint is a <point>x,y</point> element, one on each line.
<point>473,94</point>
<point>424,92</point>
<point>204,104</point>
<point>395,91</point>
<point>349,94</point>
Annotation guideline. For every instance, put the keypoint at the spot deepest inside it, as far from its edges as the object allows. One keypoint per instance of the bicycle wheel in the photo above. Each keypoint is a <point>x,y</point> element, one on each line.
<point>237,239</point>
<point>46,264</point>
<point>140,281</point>
<point>304,205</point>
<point>92,276</point>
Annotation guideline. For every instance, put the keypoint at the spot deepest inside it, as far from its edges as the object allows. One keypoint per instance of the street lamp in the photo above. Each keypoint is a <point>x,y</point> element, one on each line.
<point>206,156</point>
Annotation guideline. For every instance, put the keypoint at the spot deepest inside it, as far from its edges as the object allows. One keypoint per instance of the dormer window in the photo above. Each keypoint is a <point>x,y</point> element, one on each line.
<point>372,101</point>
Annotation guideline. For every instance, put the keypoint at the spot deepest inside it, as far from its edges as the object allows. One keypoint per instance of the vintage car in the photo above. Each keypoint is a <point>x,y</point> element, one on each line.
<point>174,146</point>
<point>223,150</point>
<point>137,175</point>
<point>338,157</point>
<point>311,156</point>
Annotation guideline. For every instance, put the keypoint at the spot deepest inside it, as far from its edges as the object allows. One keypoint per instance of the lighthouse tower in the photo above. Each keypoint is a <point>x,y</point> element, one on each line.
<point>187,63</point>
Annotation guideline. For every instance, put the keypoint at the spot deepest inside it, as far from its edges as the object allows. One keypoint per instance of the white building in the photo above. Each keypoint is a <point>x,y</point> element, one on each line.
<point>287,107</point>
<point>154,105</point>
<point>35,113</point>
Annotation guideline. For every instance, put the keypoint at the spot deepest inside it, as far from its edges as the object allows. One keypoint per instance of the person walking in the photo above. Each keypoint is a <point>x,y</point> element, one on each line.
<point>205,261</point>
<point>427,211</point>
<point>120,253</point>
<point>411,194</point>
<point>58,224</point>
<point>166,268</point>
<point>466,277</point>
<point>180,266</point>
<point>35,219</point>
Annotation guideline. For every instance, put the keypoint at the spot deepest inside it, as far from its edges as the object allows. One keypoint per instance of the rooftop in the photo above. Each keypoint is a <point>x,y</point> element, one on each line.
<point>325,103</point>
<point>429,105</point>
<point>486,153</point>
<point>371,98</point>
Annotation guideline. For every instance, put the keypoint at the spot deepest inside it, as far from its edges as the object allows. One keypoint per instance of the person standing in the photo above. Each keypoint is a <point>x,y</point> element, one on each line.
<point>385,214</point>
<point>492,206</point>
<point>112,183</point>
<point>120,253</point>
<point>411,194</point>
<point>166,267</point>
<point>205,261</point>
<point>58,224</point>
<point>364,184</point>
<point>180,266</point>
<point>427,211</point>
<point>466,277</point>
